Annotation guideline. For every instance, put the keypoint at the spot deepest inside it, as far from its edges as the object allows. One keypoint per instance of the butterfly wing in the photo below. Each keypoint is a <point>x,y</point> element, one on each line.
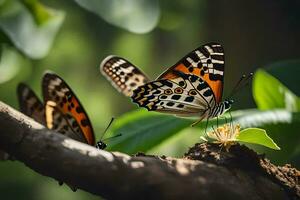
<point>185,95</point>
<point>206,62</point>
<point>30,104</point>
<point>63,123</point>
<point>123,75</point>
<point>58,94</point>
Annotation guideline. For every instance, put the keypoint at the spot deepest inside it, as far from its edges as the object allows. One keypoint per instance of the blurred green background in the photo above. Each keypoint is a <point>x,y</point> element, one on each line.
<point>72,37</point>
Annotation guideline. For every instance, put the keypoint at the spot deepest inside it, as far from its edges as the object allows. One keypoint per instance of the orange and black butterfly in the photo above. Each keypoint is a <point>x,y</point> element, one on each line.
<point>61,110</point>
<point>191,87</point>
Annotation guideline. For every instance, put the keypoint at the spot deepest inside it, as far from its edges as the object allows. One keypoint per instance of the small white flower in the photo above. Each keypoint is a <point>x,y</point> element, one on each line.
<point>225,135</point>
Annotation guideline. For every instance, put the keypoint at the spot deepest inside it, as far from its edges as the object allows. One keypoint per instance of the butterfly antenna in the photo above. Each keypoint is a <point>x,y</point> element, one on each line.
<point>248,78</point>
<point>237,85</point>
<point>120,134</point>
<point>110,123</point>
<point>244,81</point>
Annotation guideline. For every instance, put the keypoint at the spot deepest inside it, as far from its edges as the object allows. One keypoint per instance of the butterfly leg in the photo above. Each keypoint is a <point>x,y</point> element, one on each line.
<point>231,121</point>
<point>197,122</point>
<point>214,130</point>
<point>203,115</point>
<point>206,126</point>
<point>223,117</point>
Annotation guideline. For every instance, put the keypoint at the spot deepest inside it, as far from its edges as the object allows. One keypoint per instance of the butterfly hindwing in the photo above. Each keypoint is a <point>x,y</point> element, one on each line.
<point>59,95</point>
<point>123,75</point>
<point>185,95</point>
<point>206,62</point>
<point>30,104</point>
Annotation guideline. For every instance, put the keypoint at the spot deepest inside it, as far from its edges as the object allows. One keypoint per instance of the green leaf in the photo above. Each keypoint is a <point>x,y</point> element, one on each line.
<point>257,136</point>
<point>137,16</point>
<point>288,73</point>
<point>20,25</point>
<point>269,93</point>
<point>142,130</point>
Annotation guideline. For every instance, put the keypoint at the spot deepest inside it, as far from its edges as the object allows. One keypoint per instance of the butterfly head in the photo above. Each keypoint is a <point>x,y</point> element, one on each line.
<point>101,145</point>
<point>228,104</point>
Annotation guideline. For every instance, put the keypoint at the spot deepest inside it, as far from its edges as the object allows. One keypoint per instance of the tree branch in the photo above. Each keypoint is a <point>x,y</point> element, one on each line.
<point>115,175</point>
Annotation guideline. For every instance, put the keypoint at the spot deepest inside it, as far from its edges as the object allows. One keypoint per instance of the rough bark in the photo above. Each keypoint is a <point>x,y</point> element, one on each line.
<point>115,175</point>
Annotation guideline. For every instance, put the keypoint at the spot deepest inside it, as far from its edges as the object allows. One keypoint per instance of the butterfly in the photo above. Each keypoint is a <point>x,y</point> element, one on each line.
<point>191,87</point>
<point>61,110</point>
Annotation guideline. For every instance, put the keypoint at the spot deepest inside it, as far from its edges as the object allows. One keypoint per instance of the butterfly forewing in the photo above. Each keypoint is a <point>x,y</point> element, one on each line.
<point>123,75</point>
<point>59,95</point>
<point>206,62</point>
<point>63,123</point>
<point>185,95</point>
<point>30,104</point>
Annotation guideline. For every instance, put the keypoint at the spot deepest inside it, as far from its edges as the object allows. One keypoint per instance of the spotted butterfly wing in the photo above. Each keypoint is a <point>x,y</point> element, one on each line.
<point>185,95</point>
<point>30,104</point>
<point>207,62</point>
<point>192,87</point>
<point>123,75</point>
<point>64,112</point>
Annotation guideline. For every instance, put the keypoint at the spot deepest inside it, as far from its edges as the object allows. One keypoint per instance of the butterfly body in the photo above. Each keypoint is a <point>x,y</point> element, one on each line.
<point>220,109</point>
<point>191,87</point>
